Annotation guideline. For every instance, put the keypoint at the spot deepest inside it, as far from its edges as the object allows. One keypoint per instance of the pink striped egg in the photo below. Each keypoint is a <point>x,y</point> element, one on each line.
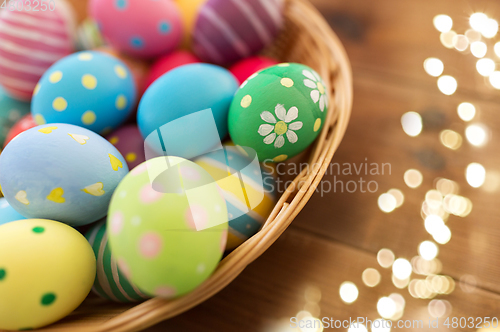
<point>31,41</point>
<point>230,30</point>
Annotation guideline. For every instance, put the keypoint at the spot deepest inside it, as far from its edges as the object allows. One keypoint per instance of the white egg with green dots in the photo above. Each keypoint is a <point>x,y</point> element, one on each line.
<point>88,89</point>
<point>46,270</point>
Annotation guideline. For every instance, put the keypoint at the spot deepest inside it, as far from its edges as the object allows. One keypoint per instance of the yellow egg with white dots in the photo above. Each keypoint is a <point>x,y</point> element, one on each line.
<point>46,271</point>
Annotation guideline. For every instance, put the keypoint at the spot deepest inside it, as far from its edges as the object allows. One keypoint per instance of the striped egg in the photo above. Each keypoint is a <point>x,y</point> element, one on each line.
<point>230,30</point>
<point>31,42</point>
<point>250,191</point>
<point>110,283</point>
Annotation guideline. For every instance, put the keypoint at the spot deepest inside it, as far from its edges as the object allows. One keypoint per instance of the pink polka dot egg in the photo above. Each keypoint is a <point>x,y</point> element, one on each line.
<point>141,28</point>
<point>167,226</point>
<point>89,89</point>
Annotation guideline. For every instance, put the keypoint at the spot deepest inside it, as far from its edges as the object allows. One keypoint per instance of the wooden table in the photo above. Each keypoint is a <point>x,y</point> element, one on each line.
<point>337,236</point>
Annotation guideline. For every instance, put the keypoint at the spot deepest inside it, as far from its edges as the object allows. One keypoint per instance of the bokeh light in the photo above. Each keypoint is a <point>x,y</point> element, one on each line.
<point>490,28</point>
<point>446,38</point>
<point>442,235</point>
<point>434,199</point>
<point>485,67</point>
<point>412,123</point>
<point>433,223</point>
<point>398,195</point>
<point>478,49</point>
<point>472,35</point>
<point>386,307</point>
<point>413,178</point>
<point>496,48</point>
<point>371,277</point>
<point>457,205</point>
<point>466,111</point>
<point>460,42</point>
<point>349,292</point>
<point>447,84</point>
<point>381,325</point>
<point>433,66</point>
<point>443,23</point>
<point>475,175</point>
<point>447,187</point>
<point>428,250</point>
<point>477,21</point>
<point>385,258</point>
<point>451,139</point>
<point>468,283</point>
<point>401,268</point>
<point>476,134</point>
<point>495,79</point>
<point>387,203</point>
<point>400,283</point>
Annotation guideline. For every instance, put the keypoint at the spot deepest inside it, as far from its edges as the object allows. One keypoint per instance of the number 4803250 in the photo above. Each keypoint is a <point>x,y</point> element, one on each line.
<point>29,5</point>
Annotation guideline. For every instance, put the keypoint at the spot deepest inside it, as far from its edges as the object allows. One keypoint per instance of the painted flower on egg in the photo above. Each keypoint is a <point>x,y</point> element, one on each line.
<point>281,127</point>
<point>315,82</point>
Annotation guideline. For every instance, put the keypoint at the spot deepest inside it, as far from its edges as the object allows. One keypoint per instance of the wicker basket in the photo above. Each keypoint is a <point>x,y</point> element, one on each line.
<point>307,39</point>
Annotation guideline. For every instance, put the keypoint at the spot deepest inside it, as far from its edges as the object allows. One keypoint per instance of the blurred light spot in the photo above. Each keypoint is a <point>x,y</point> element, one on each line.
<point>468,283</point>
<point>398,195</point>
<point>476,135</point>
<point>477,21</point>
<point>442,235</point>
<point>357,327</point>
<point>467,111</point>
<point>437,308</point>
<point>303,314</point>
<point>433,223</point>
<point>473,35</point>
<point>401,268</point>
<point>495,79</point>
<point>490,28</point>
<point>439,211</point>
<point>478,49</point>
<point>457,205</point>
<point>485,67</point>
<point>348,292</point>
<point>413,178</point>
<point>371,277</point>
<point>447,85</point>
<point>385,258</point>
<point>313,308</point>
<point>400,302</point>
<point>428,250</point>
<point>460,42</point>
<point>446,38</point>
<point>381,325</point>
<point>450,139</point>
<point>475,175</point>
<point>400,283</point>
<point>447,187</point>
<point>496,48</point>
<point>433,66</point>
<point>311,324</point>
<point>422,291</point>
<point>387,203</point>
<point>491,182</point>
<point>434,199</point>
<point>312,294</point>
<point>443,23</point>
<point>412,288</point>
<point>412,123</point>
<point>386,307</point>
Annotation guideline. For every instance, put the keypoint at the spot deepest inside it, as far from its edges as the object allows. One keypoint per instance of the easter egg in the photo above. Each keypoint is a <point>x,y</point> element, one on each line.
<point>110,283</point>
<point>7,213</point>
<point>24,124</point>
<point>140,29</point>
<point>227,31</point>
<point>189,12</point>
<point>247,67</point>
<point>167,234</point>
<point>181,95</point>
<point>46,270</point>
<point>31,42</point>
<point>61,172</point>
<point>88,36</point>
<point>249,192</point>
<point>129,142</point>
<point>169,62</point>
<point>11,111</point>
<point>279,111</point>
<point>88,89</point>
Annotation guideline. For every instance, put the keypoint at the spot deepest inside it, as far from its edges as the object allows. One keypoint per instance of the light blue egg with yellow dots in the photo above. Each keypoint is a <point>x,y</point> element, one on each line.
<point>7,212</point>
<point>11,110</point>
<point>88,89</point>
<point>248,188</point>
<point>61,172</point>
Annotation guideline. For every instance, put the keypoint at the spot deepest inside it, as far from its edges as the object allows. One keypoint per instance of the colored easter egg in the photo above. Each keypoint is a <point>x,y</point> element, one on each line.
<point>129,142</point>
<point>167,235</point>
<point>61,172</point>
<point>46,270</point>
<point>110,283</point>
<point>169,62</point>
<point>31,42</point>
<point>279,111</point>
<point>189,12</point>
<point>88,89</point>
<point>11,111</point>
<point>243,69</point>
<point>227,31</point>
<point>138,28</point>
<point>88,36</point>
<point>249,191</point>
<point>24,124</point>
<point>7,212</point>
<point>191,89</point>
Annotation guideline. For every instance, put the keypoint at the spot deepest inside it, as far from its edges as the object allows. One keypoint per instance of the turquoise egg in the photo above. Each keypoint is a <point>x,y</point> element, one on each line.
<point>7,213</point>
<point>178,95</point>
<point>88,89</point>
<point>11,110</point>
<point>61,172</point>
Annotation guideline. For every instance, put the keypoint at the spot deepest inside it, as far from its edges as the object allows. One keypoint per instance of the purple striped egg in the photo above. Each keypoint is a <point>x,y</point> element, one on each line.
<point>230,30</point>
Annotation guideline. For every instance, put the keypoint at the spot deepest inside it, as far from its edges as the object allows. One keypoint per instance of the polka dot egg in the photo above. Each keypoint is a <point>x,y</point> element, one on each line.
<point>7,213</point>
<point>141,28</point>
<point>46,270</point>
<point>11,111</point>
<point>279,111</point>
<point>60,172</point>
<point>88,89</point>
<point>110,283</point>
<point>167,235</point>
<point>249,200</point>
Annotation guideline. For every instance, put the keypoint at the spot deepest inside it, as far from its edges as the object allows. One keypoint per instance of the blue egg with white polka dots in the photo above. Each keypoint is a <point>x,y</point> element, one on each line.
<point>88,89</point>
<point>61,172</point>
<point>11,110</point>
<point>7,212</point>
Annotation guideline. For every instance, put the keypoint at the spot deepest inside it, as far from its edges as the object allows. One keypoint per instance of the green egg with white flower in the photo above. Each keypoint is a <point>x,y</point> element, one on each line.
<point>279,111</point>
